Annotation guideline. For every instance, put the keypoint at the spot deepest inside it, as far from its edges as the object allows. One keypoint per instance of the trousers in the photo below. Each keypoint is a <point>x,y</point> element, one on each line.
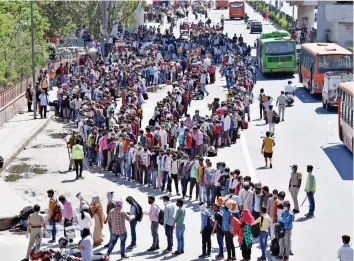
<point>284,243</point>
<point>281,110</point>
<point>35,238</point>
<point>294,191</point>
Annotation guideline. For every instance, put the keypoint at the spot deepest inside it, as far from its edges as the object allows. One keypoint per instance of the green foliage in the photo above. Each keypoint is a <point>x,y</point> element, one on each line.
<point>283,23</point>
<point>350,49</point>
<point>15,41</point>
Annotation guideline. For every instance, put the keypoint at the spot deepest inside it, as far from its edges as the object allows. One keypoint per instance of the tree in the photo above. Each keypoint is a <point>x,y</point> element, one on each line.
<point>15,41</point>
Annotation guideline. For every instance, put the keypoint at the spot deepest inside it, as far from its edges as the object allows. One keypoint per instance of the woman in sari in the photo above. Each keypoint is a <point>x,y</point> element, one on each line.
<point>245,236</point>
<point>98,216</point>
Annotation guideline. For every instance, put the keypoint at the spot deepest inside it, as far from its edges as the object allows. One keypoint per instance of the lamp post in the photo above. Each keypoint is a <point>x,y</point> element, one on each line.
<point>33,66</point>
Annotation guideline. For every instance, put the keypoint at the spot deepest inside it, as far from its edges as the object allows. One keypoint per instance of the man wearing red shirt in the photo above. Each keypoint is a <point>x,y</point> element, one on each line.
<point>188,142</point>
<point>216,133</point>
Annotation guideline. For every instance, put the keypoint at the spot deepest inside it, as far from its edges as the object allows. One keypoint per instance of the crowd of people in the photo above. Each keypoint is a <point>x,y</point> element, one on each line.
<point>105,100</point>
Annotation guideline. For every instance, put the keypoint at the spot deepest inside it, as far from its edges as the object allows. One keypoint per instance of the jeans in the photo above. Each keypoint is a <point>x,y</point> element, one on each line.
<point>247,110</point>
<point>180,237</point>
<point>220,238</point>
<point>54,229</point>
<point>155,235</point>
<point>113,242</point>
<point>76,114</point>
<point>164,179</point>
<point>169,235</point>
<point>229,240</point>
<point>193,183</point>
<point>311,198</point>
<point>202,193</point>
<point>208,190</point>
<point>263,236</point>
<point>110,231</point>
<point>78,163</point>
<point>133,231</point>
<point>43,110</point>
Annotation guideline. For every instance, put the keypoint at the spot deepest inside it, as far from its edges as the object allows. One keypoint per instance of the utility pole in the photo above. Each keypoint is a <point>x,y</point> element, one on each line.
<point>104,28</point>
<point>33,67</point>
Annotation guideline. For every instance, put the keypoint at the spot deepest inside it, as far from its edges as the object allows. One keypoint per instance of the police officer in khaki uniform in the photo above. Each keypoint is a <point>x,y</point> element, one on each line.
<point>294,186</point>
<point>34,230</point>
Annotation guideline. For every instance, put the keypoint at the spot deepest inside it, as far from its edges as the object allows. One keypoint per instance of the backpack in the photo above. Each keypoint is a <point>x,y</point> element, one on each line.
<point>234,225</point>
<point>275,118</point>
<point>57,215</point>
<point>256,229</point>
<point>274,247</point>
<point>279,230</point>
<point>161,217</point>
<point>139,211</point>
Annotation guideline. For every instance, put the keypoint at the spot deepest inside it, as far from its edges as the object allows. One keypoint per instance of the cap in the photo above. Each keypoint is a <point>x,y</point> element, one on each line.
<point>50,191</point>
<point>119,203</point>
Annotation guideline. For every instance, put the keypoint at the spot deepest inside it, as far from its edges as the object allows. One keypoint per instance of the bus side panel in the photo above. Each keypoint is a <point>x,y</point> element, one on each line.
<point>339,112</point>
<point>317,78</point>
<point>306,76</point>
<point>347,131</point>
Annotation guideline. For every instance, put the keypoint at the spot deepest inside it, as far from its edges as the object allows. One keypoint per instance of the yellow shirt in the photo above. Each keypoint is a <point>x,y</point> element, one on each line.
<point>268,144</point>
<point>51,75</point>
<point>265,222</point>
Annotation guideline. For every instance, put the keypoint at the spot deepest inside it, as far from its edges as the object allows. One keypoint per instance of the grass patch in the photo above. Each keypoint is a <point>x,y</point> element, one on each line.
<point>12,178</point>
<point>19,168</point>
<point>38,170</point>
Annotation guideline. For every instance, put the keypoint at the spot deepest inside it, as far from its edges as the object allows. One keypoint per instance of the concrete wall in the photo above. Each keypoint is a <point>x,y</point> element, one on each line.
<point>345,34</point>
<point>305,16</point>
<point>12,109</point>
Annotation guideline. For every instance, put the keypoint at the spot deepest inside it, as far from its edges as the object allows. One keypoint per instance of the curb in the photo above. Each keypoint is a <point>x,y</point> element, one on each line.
<point>28,139</point>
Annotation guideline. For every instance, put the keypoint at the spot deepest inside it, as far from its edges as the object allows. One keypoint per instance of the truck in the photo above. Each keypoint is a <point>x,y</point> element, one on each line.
<point>330,88</point>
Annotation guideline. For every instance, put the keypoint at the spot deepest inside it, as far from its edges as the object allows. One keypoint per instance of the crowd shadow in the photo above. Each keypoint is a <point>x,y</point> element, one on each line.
<point>342,160</point>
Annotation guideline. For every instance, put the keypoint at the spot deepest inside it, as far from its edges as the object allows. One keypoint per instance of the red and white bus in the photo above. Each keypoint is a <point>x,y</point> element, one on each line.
<point>345,113</point>
<point>221,4</point>
<point>237,9</point>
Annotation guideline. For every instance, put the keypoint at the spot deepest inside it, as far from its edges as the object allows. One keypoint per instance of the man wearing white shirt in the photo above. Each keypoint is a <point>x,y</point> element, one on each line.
<point>163,135</point>
<point>246,196</point>
<point>289,88</point>
<point>345,253</point>
<point>206,63</point>
<point>226,129</point>
<point>166,168</point>
<point>43,102</point>
<point>203,82</point>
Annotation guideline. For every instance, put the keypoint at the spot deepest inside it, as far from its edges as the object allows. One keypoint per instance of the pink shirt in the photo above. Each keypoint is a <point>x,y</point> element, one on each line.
<point>198,137</point>
<point>103,142</point>
<point>68,211</point>
<point>154,213</point>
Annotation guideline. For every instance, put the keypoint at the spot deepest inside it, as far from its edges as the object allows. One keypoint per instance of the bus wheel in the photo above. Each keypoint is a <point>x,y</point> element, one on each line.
<point>340,133</point>
<point>323,105</point>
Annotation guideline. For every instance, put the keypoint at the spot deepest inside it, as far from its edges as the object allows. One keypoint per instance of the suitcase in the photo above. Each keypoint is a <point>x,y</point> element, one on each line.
<point>244,124</point>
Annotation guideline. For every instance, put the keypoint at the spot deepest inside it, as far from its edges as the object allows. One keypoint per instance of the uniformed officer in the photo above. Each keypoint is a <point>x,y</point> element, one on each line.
<point>78,156</point>
<point>294,186</point>
<point>34,230</point>
<point>281,105</point>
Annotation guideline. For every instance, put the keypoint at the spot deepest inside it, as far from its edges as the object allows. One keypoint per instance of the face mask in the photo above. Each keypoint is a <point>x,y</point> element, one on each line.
<point>150,202</point>
<point>246,188</point>
<point>221,169</point>
<point>165,203</point>
<point>286,208</point>
<point>275,196</point>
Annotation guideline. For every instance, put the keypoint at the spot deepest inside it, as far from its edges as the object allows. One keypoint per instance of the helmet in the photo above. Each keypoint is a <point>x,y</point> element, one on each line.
<point>63,242</point>
<point>35,254</point>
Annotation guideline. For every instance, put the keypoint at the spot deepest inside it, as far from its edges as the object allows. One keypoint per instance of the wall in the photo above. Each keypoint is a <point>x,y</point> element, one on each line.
<point>305,16</point>
<point>12,109</point>
<point>345,34</point>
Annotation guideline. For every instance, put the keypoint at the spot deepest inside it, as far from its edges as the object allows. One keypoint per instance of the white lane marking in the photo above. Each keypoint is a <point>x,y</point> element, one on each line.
<point>248,160</point>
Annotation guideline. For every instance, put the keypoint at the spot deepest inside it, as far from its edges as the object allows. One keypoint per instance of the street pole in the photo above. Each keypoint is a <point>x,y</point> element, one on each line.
<point>33,67</point>
<point>104,28</point>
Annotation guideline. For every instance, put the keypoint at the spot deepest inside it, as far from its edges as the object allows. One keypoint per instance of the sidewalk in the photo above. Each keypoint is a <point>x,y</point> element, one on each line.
<point>15,135</point>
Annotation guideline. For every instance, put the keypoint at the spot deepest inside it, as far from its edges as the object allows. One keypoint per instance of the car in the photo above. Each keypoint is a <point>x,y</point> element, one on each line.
<point>249,24</point>
<point>255,27</point>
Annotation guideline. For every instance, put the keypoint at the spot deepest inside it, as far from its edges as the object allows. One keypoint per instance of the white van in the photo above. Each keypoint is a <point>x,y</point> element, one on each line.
<point>330,88</point>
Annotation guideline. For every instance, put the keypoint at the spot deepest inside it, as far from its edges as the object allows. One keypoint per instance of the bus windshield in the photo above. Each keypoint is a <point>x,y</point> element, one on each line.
<point>337,62</point>
<point>279,48</point>
<point>236,5</point>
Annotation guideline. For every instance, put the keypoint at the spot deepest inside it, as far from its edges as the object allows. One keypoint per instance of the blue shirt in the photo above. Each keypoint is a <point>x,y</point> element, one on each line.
<point>169,214</point>
<point>204,219</point>
<point>86,251</point>
<point>194,169</point>
<point>225,218</point>
<point>287,219</point>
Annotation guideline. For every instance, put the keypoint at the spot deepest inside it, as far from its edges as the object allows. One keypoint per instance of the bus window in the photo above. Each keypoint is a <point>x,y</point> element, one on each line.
<point>335,63</point>
<point>278,48</point>
<point>236,5</point>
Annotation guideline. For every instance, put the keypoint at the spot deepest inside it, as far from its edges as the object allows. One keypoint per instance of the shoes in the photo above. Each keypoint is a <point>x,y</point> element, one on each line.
<point>182,252</point>
<point>291,253</point>
<point>70,240</point>
<point>106,245</point>
<point>178,194</point>
<point>70,169</point>
<point>203,256</point>
<point>270,165</point>
<point>25,259</point>
<point>280,257</point>
<point>124,257</point>
<point>131,247</point>
<point>52,241</point>
<point>176,253</point>
<point>295,211</point>
<point>152,249</point>
<point>167,250</point>
<point>286,258</point>
<point>219,257</point>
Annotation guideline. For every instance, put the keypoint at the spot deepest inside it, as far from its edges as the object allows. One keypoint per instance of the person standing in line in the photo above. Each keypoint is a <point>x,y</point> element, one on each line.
<point>247,102</point>
<point>232,196</point>
<point>110,206</point>
<point>261,99</point>
<point>68,213</point>
<point>86,245</point>
<point>34,230</point>
<point>78,156</point>
<point>133,224</point>
<point>118,217</point>
<point>226,129</point>
<point>166,168</point>
<point>267,149</point>
<point>246,195</point>
<point>264,221</point>
<point>256,201</point>
<point>271,205</point>
<point>219,230</point>
<point>193,180</point>
<point>200,179</point>
<point>310,190</point>
<point>173,175</point>
<point>169,215</point>
<point>205,230</point>
<point>51,212</point>
<point>294,186</point>
<point>286,219</point>
<point>179,226</point>
<point>209,175</point>
<point>154,218</point>
<point>345,253</point>
<point>281,105</point>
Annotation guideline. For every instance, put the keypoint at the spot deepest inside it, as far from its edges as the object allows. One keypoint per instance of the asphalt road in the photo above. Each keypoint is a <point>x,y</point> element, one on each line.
<point>309,135</point>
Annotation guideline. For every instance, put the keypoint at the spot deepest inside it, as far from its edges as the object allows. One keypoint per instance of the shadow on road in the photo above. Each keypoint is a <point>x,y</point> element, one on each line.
<point>305,97</point>
<point>342,160</point>
<point>321,110</point>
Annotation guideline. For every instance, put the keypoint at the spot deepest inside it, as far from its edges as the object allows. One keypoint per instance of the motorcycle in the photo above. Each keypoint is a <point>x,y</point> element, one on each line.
<point>289,99</point>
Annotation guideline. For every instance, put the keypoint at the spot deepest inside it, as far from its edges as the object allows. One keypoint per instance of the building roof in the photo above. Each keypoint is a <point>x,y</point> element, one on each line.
<point>325,48</point>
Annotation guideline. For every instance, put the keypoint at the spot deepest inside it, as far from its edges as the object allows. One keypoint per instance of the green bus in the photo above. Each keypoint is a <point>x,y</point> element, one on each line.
<point>276,52</point>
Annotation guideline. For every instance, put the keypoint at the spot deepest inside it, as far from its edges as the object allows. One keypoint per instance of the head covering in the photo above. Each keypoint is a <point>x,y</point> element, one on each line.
<point>246,183</point>
<point>247,217</point>
<point>119,203</point>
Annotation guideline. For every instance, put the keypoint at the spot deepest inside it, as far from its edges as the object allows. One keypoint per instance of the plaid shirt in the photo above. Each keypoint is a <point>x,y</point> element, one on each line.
<point>117,218</point>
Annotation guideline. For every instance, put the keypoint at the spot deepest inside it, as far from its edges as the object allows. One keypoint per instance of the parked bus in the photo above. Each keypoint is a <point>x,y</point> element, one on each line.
<point>221,4</point>
<point>345,113</point>
<point>318,58</point>
<point>276,52</point>
<point>237,9</point>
